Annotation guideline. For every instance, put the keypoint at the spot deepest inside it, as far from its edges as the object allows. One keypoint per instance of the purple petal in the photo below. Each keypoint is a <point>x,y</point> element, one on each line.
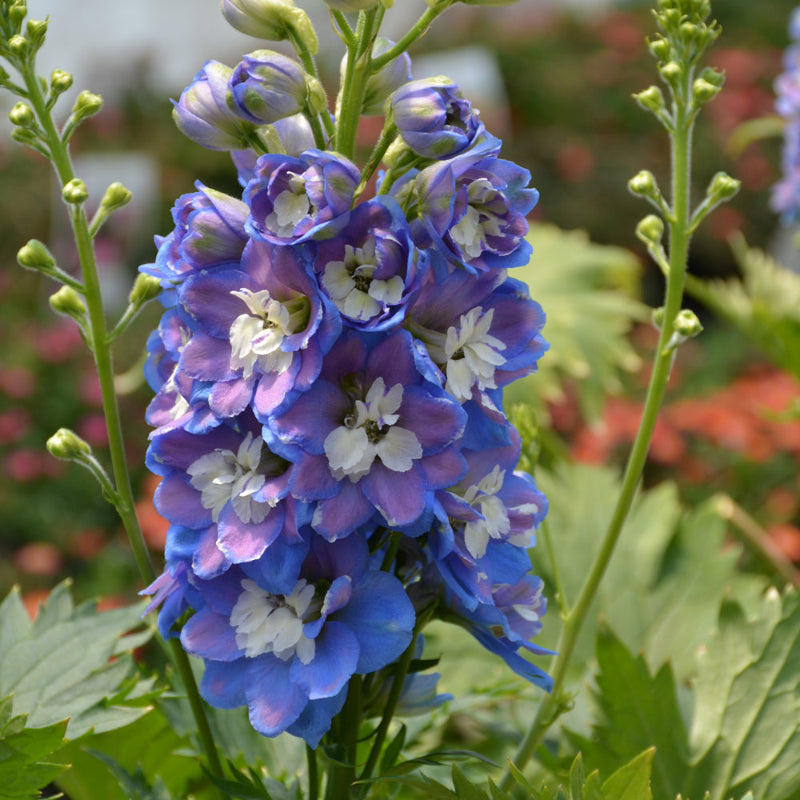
<point>399,496</point>
<point>210,635</point>
<point>335,659</point>
<point>275,701</point>
<point>222,685</point>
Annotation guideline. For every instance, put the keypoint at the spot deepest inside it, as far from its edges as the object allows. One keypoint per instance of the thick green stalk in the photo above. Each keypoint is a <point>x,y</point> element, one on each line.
<point>101,351</point>
<point>342,773</point>
<point>679,243</point>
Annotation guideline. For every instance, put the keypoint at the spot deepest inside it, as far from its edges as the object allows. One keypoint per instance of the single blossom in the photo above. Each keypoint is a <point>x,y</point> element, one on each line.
<point>292,200</point>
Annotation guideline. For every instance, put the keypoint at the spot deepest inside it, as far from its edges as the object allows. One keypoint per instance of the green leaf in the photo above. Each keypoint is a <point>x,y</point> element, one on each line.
<point>393,750</point>
<point>588,293</point>
<point>465,790</point>
<point>24,770</point>
<point>135,786</point>
<point>60,666</point>
<point>632,781</point>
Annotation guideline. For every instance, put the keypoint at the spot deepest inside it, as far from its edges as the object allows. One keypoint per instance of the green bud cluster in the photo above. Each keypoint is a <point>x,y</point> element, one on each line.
<point>75,192</point>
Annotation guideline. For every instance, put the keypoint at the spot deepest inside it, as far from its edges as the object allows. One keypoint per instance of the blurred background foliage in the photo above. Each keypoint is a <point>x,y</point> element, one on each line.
<point>568,79</point>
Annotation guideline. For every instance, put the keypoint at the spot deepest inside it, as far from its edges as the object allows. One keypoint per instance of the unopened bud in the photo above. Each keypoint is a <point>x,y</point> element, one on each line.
<point>67,445</point>
<point>316,99</point>
<point>650,230</point>
<point>398,151</point>
<point>116,196</point>
<point>658,317</point>
<point>60,81</point>
<point>687,324</point>
<point>703,91</point>
<point>689,31</point>
<point>643,184</point>
<point>145,288</point>
<point>24,136</point>
<point>660,48</point>
<point>86,104</point>
<point>19,45</point>
<point>37,28</point>
<point>650,99</point>
<point>722,187</point>
<point>715,77</point>
<point>671,71</point>
<point>35,255</point>
<point>22,114</point>
<point>68,302</point>
<point>75,192</point>
<point>17,13</point>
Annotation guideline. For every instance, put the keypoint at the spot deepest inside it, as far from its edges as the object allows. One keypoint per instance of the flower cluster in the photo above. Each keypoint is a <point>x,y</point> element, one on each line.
<point>329,427</point>
<point>786,193</point>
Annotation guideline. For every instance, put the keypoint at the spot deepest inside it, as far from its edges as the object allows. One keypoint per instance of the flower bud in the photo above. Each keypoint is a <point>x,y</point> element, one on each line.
<point>202,114</point>
<point>86,104</point>
<point>650,230</point>
<point>650,99</point>
<point>75,192</point>
<point>267,86</point>
<point>643,184</point>
<point>687,324</point>
<point>722,187</point>
<point>68,302</point>
<point>657,317</point>
<point>660,48</point>
<point>37,28</point>
<point>22,115</point>
<point>715,77</point>
<point>115,197</point>
<point>17,13</point>
<point>703,91</point>
<point>35,255</point>
<point>25,136</point>
<point>386,80</point>
<point>145,288</point>
<point>60,81</point>
<point>434,119</point>
<point>271,19</point>
<point>67,445</point>
<point>19,46</point>
<point>671,71</point>
<point>316,99</point>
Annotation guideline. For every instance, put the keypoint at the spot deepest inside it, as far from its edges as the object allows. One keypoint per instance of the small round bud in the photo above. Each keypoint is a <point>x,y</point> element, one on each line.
<point>35,255</point>
<point>689,31</point>
<point>659,48</point>
<point>87,104</point>
<point>650,230</point>
<point>658,317</point>
<point>19,45</point>
<point>22,114</point>
<point>145,287</point>
<point>397,152</point>
<point>722,187</point>
<point>17,13</point>
<point>24,136</point>
<point>67,445</point>
<point>671,71</point>
<point>687,324</point>
<point>75,192</point>
<point>650,99</point>
<point>116,196</point>
<point>37,28</point>
<point>643,184</point>
<point>703,91</point>
<point>68,302</point>
<point>60,81</point>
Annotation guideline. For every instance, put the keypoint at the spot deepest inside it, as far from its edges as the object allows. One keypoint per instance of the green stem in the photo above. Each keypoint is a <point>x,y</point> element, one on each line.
<point>313,773</point>
<point>387,136</point>
<point>419,29</point>
<point>679,243</point>
<point>101,350</point>
<point>561,592</point>
<point>307,60</point>
<point>343,772</point>
<point>351,94</point>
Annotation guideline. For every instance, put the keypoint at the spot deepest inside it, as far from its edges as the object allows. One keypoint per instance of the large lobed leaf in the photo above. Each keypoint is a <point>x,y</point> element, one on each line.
<point>588,292</point>
<point>744,738</point>
<point>60,666</point>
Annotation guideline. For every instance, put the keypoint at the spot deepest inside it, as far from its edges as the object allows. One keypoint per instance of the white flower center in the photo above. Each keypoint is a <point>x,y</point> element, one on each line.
<point>495,523</point>
<point>479,220</point>
<point>352,287</point>
<point>269,623</point>
<point>224,476</point>
<point>371,432</point>
<point>290,208</point>
<point>256,337</point>
<point>470,354</point>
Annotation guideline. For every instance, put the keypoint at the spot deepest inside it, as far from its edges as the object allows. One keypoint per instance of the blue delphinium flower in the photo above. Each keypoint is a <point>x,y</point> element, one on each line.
<point>336,461</point>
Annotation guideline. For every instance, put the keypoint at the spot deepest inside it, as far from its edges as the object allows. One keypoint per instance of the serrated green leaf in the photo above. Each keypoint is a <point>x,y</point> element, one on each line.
<point>466,790</point>
<point>496,793</point>
<point>588,293</point>
<point>636,711</point>
<point>59,667</point>
<point>631,781</point>
<point>135,786</point>
<point>577,778</point>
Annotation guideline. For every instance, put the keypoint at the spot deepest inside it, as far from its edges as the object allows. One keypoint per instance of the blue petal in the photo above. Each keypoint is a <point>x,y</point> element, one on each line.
<point>333,664</point>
